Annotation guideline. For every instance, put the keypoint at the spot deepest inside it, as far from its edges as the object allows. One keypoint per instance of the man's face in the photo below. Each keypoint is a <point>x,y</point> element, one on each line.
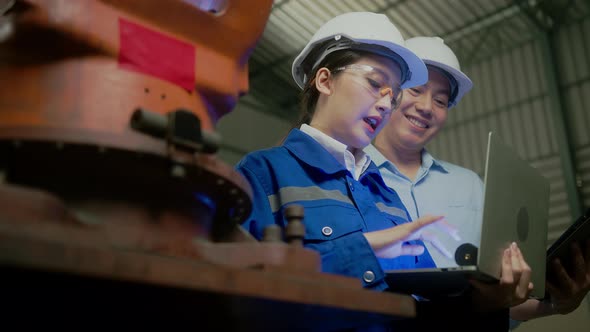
<point>421,115</point>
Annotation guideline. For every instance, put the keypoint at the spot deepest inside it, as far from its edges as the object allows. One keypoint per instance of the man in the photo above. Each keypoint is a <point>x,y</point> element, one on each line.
<point>422,181</point>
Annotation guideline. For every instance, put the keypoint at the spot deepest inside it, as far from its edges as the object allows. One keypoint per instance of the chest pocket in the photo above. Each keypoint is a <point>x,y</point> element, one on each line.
<point>328,222</point>
<point>325,223</point>
<point>460,211</point>
<point>325,227</point>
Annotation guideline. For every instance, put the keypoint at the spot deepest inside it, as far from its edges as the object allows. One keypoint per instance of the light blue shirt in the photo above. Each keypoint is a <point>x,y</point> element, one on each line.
<point>440,188</point>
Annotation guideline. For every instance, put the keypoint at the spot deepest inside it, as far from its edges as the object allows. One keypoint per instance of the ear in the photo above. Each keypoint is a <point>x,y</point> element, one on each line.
<point>323,81</point>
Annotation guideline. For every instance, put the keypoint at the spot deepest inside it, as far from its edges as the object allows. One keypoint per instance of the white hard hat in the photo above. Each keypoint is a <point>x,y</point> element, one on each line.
<point>434,52</point>
<point>364,31</point>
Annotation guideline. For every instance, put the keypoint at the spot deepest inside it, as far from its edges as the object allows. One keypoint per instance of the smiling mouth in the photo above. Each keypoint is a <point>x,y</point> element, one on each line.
<point>416,122</point>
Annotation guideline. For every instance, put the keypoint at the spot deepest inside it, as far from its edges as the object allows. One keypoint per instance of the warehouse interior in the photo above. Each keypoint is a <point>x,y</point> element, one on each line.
<point>530,64</point>
<point>122,124</point>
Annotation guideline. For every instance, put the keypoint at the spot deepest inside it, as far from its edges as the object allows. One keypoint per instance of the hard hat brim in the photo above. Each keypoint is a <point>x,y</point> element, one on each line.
<point>417,71</point>
<point>464,83</point>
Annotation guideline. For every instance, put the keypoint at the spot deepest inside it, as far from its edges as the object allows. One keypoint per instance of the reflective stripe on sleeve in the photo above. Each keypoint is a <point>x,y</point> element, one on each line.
<point>394,211</point>
<point>288,195</point>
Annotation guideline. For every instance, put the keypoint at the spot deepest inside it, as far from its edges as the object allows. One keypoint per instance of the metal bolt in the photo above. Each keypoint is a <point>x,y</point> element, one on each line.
<point>295,231</point>
<point>178,171</point>
<point>272,233</point>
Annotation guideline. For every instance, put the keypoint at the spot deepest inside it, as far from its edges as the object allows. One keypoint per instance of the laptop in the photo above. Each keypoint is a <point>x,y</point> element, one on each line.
<point>515,209</point>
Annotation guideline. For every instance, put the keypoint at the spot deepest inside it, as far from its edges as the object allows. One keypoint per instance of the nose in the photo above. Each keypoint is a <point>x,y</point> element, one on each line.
<point>424,104</point>
<point>384,103</point>
<point>386,92</point>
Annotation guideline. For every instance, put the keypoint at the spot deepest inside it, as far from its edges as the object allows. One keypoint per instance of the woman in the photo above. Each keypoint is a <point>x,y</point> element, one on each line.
<point>352,73</point>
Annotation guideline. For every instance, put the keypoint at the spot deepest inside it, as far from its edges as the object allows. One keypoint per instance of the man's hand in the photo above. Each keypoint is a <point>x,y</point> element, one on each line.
<point>570,286</point>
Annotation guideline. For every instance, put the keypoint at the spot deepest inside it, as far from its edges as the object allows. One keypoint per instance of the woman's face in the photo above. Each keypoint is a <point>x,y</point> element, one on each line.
<point>355,100</point>
<point>421,115</point>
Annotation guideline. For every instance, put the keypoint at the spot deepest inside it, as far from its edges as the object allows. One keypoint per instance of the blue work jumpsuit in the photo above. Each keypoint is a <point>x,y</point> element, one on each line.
<point>338,209</point>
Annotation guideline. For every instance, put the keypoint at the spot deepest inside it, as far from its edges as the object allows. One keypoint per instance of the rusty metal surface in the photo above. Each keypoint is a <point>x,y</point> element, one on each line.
<point>102,185</point>
<point>75,46</point>
<point>117,225</point>
<point>44,300</point>
<point>66,103</point>
<point>39,234</point>
<point>80,253</point>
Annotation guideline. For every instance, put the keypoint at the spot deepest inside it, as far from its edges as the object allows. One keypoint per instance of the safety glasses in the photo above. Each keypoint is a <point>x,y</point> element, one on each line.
<point>377,82</point>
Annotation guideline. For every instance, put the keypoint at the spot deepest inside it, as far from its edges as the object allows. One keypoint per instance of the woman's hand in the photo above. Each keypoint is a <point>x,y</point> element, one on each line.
<point>514,286</point>
<point>389,243</point>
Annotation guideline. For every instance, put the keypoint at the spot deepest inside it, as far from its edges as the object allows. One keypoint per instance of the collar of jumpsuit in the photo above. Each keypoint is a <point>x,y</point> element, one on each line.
<point>355,164</point>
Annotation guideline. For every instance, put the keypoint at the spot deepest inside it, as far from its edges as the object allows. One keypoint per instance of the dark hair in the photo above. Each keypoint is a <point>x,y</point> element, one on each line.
<point>453,85</point>
<point>310,95</point>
